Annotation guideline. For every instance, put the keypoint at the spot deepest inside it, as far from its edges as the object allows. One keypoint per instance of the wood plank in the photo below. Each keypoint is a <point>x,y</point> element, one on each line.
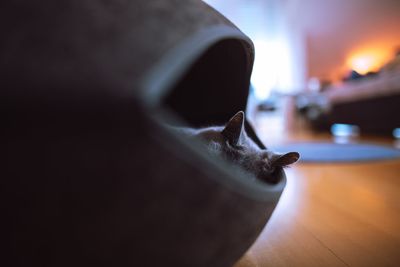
<point>352,214</point>
<point>330,214</point>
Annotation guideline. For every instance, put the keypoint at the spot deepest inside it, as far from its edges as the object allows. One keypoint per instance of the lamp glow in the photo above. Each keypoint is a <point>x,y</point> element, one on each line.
<point>363,64</point>
<point>368,60</point>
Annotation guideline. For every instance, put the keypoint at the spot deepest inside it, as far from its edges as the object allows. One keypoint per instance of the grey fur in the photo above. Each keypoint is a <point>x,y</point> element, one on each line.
<point>233,144</point>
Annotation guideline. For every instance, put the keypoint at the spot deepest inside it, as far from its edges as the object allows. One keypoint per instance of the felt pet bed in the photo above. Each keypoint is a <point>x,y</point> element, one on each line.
<point>90,175</point>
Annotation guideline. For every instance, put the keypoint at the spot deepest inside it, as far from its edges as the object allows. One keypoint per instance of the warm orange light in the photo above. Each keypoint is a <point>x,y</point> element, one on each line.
<point>363,64</point>
<point>366,61</point>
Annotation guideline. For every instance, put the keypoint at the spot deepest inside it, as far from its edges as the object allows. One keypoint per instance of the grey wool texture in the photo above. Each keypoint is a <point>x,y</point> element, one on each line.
<point>90,177</point>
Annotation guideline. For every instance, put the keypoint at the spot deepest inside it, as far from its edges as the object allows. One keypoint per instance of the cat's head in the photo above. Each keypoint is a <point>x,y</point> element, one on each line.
<point>243,150</point>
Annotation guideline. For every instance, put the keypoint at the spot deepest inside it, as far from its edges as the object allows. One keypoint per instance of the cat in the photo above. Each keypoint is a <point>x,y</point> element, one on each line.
<point>233,144</point>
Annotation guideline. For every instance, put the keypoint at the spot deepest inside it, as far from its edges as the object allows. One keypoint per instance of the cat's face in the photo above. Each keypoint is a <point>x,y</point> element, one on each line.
<point>239,148</point>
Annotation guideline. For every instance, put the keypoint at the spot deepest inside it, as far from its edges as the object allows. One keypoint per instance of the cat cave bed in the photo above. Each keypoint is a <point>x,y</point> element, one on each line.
<point>92,176</point>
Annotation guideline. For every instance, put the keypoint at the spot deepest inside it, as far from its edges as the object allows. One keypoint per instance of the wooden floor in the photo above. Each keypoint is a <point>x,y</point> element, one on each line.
<point>329,214</point>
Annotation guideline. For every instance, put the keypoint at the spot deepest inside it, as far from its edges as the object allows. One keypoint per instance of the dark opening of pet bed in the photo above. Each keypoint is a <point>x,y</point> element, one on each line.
<point>213,88</point>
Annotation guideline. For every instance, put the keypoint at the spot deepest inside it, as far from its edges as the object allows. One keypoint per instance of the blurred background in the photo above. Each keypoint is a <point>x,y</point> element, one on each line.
<point>334,61</point>
<point>327,73</point>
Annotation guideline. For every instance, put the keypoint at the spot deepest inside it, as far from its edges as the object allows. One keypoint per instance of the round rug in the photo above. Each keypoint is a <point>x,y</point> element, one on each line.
<point>332,152</point>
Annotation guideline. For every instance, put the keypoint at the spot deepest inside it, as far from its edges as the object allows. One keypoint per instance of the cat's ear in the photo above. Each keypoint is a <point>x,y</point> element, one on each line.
<point>285,159</point>
<point>234,128</point>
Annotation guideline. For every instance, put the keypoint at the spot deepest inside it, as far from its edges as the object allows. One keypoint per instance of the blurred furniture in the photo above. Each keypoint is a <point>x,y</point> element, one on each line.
<point>372,103</point>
